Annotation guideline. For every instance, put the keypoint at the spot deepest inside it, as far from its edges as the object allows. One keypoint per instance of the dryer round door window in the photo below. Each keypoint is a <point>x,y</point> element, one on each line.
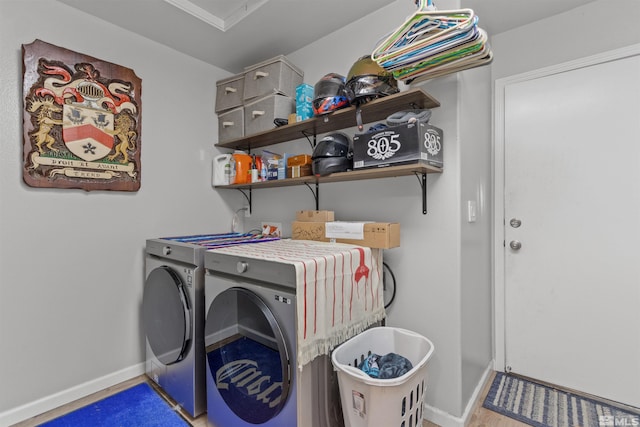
<point>165,312</point>
<point>247,355</point>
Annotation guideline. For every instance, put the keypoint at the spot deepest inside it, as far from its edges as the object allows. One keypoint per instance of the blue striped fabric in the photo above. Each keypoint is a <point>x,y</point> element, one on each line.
<point>542,406</point>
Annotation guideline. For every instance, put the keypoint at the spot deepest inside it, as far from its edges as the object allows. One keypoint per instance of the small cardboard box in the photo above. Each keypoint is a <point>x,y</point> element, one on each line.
<point>407,143</point>
<point>315,216</point>
<point>299,171</point>
<point>299,160</point>
<point>380,235</point>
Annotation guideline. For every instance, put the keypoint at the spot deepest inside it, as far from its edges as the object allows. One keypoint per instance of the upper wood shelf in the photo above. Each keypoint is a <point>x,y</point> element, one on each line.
<point>378,109</point>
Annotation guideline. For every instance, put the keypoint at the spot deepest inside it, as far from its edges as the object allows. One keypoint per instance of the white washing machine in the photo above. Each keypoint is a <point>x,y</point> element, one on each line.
<point>173,314</point>
<point>252,376</point>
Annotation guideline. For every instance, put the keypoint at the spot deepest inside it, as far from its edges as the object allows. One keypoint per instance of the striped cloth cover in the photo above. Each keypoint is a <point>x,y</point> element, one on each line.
<point>338,294</point>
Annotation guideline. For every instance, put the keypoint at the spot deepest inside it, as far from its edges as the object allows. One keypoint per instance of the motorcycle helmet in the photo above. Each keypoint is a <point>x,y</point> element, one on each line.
<point>333,153</point>
<point>329,94</point>
<point>367,80</point>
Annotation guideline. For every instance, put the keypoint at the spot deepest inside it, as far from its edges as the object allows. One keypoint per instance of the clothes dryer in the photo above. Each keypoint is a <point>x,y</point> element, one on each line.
<point>252,371</point>
<point>173,314</point>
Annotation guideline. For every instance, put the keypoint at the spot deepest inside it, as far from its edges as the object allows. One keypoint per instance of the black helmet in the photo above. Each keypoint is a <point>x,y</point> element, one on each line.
<point>333,153</point>
<point>329,94</point>
<point>367,80</point>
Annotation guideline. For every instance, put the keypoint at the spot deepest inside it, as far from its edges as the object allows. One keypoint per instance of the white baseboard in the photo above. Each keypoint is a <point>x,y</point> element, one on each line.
<point>445,419</point>
<point>37,407</point>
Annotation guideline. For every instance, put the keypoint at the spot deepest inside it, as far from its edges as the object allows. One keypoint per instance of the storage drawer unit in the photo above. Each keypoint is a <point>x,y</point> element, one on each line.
<point>259,114</point>
<point>229,93</point>
<point>231,125</point>
<point>276,75</point>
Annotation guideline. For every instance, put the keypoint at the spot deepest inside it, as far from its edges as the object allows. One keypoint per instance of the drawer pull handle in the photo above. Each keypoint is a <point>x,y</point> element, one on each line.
<point>256,113</point>
<point>230,90</point>
<point>227,124</point>
<point>260,74</point>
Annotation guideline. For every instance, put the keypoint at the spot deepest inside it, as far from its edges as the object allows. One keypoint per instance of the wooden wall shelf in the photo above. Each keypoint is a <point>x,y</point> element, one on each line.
<point>376,110</point>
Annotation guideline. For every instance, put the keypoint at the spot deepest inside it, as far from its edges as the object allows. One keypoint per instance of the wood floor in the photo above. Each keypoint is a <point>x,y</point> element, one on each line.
<point>481,417</point>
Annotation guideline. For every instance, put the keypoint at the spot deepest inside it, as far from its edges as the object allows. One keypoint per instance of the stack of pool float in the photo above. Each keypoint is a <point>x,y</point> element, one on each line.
<point>432,43</point>
<point>211,241</point>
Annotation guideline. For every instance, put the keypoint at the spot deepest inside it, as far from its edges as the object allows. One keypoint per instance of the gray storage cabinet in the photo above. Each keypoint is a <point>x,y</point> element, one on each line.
<point>231,124</point>
<point>229,93</point>
<point>259,114</point>
<point>276,75</point>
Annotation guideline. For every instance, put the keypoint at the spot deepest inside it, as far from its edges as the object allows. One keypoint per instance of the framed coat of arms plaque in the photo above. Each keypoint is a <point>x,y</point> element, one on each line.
<point>82,121</point>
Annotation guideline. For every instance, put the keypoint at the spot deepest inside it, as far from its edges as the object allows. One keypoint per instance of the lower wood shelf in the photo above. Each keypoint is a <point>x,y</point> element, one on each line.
<point>372,173</point>
<point>419,169</point>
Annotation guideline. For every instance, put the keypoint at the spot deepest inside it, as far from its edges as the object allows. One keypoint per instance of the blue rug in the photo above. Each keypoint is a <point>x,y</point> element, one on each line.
<point>249,378</point>
<point>542,406</point>
<point>138,406</point>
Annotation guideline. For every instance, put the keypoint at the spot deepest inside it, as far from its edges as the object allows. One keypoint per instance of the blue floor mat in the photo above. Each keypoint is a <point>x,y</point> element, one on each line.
<point>138,406</point>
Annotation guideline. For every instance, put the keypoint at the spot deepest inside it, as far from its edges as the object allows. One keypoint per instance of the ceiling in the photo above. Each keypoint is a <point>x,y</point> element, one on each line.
<point>231,34</point>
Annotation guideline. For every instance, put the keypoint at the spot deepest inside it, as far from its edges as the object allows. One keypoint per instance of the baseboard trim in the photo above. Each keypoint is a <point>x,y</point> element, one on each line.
<point>37,407</point>
<point>445,419</point>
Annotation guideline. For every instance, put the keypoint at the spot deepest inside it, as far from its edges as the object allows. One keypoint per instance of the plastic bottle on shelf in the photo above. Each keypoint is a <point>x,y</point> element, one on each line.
<point>263,171</point>
<point>243,167</point>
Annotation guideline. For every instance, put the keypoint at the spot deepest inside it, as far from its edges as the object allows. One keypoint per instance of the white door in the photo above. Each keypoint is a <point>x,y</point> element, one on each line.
<point>572,262</point>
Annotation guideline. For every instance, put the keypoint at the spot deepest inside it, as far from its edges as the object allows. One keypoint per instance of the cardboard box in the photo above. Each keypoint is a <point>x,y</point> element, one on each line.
<point>315,216</point>
<point>298,171</point>
<point>380,235</point>
<point>299,160</point>
<point>405,143</point>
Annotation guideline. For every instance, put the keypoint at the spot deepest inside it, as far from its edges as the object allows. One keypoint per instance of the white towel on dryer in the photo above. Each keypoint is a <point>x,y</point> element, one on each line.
<point>338,290</point>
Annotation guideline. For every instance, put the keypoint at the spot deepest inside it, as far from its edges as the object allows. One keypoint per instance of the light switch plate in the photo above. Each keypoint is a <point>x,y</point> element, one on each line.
<point>471,211</point>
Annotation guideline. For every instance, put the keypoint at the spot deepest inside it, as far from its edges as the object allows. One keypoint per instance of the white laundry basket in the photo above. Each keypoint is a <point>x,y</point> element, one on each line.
<point>372,402</point>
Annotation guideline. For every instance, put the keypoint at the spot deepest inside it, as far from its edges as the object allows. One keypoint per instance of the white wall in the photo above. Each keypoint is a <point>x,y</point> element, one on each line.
<point>443,266</point>
<point>71,262</point>
<point>441,260</point>
<point>475,166</point>
<point>560,39</point>
<point>593,28</point>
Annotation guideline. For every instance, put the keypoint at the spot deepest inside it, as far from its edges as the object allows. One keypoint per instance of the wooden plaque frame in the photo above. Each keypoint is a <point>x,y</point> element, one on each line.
<point>81,121</point>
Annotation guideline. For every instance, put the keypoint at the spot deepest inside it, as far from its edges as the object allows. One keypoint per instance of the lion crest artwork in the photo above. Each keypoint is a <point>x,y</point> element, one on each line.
<point>81,126</point>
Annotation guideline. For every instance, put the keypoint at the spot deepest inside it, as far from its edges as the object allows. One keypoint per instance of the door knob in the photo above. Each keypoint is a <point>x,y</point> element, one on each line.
<point>515,245</point>
<point>515,222</point>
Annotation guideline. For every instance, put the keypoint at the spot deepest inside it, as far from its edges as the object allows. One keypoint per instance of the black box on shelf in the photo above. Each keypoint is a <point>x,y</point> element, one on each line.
<point>406,143</point>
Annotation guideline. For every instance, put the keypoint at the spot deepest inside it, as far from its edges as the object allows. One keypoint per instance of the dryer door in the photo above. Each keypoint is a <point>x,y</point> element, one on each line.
<point>247,355</point>
<point>166,315</point>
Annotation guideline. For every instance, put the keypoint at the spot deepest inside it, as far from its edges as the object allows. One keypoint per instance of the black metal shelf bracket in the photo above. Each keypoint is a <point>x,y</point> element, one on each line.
<point>316,193</point>
<point>248,197</point>
<point>308,135</point>
<point>423,184</point>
